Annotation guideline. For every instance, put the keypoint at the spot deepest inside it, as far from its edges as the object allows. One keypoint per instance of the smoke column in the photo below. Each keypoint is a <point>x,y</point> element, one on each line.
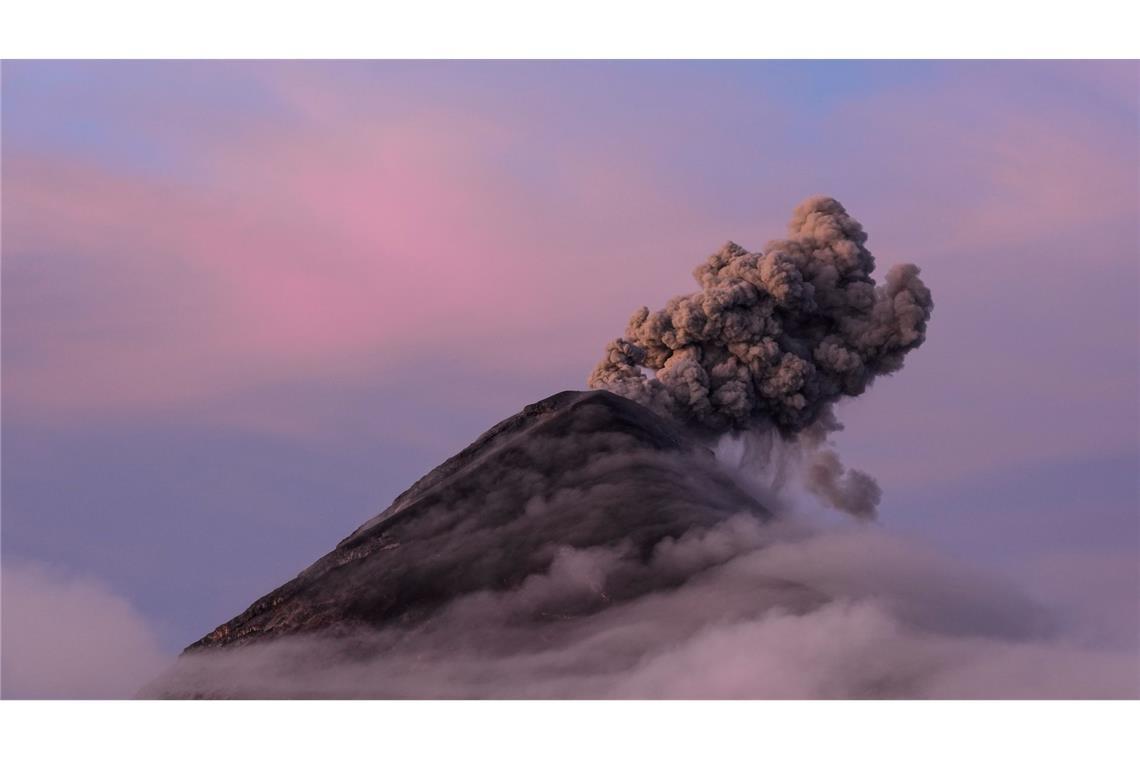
<point>773,339</point>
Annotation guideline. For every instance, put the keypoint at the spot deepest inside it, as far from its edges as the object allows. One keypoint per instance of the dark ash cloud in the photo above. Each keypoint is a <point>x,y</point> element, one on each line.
<point>773,339</point>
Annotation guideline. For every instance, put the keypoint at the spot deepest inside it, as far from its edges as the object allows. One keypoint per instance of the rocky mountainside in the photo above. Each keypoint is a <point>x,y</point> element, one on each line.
<point>578,469</point>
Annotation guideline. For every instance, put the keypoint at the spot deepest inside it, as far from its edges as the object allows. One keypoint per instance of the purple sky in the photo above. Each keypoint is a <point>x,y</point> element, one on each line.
<point>246,304</point>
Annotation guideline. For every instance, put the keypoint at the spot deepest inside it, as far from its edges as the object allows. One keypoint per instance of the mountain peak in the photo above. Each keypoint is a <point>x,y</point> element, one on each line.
<point>578,469</point>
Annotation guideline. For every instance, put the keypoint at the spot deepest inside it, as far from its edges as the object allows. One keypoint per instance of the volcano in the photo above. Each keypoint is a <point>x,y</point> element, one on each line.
<point>552,525</point>
<point>594,531</point>
<point>578,469</point>
<point>588,548</point>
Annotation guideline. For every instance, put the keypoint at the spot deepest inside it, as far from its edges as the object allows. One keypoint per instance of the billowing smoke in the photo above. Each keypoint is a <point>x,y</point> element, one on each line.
<point>773,339</point>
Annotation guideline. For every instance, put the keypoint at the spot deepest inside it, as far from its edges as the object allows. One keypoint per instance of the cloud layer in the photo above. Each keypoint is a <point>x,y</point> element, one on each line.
<point>764,612</point>
<point>67,637</point>
<point>583,550</point>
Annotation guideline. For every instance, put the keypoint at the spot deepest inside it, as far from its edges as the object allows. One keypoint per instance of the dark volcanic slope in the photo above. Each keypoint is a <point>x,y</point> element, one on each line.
<point>578,469</point>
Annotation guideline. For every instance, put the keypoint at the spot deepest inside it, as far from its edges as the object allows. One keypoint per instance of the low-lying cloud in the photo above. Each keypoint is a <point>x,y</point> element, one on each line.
<point>762,610</point>
<point>71,637</point>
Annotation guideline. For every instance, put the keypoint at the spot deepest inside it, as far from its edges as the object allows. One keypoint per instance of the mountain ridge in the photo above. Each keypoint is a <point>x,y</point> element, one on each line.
<point>578,469</point>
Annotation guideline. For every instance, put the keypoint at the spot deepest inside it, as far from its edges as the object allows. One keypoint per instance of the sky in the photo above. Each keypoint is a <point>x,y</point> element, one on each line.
<point>246,304</point>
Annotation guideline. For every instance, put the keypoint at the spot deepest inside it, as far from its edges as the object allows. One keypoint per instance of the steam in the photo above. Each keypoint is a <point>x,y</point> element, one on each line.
<point>773,339</point>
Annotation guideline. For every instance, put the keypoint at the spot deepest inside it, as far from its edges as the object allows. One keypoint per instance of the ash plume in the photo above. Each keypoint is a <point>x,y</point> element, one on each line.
<point>773,339</point>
